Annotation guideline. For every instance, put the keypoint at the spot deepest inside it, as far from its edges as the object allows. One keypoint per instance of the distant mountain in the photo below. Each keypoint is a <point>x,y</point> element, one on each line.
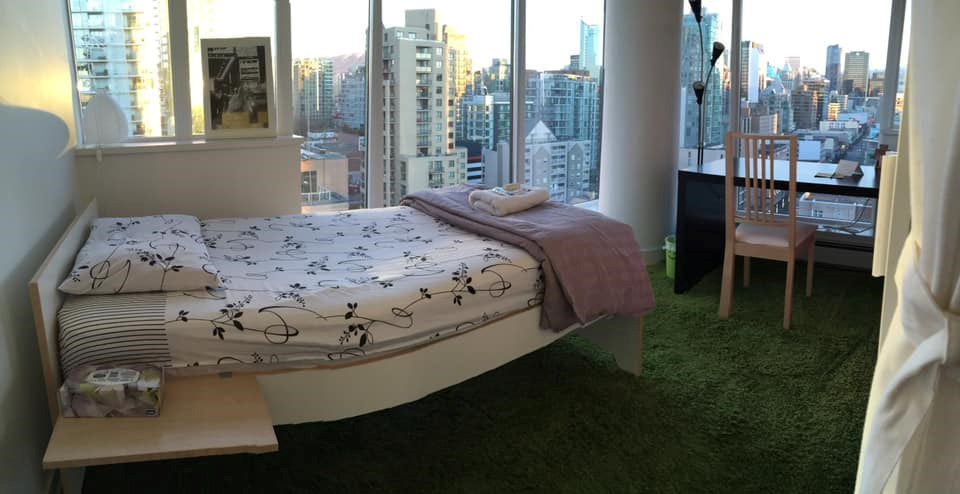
<point>346,62</point>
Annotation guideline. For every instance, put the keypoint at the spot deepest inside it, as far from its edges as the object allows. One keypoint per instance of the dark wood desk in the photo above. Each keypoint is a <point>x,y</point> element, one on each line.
<point>700,209</point>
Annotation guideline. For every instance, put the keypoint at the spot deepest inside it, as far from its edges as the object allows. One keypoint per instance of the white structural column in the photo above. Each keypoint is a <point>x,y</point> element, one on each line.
<point>641,117</point>
<point>284,70</point>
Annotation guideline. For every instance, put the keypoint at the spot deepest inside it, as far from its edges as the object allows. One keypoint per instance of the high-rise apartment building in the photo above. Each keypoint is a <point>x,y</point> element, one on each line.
<point>312,94</point>
<point>477,121</point>
<point>492,79</point>
<point>459,69</point>
<point>809,103</point>
<point>793,61</point>
<point>568,104</point>
<point>753,71</point>
<point>419,110</point>
<point>691,71</point>
<point>855,67</point>
<point>832,71</point>
<point>557,165</point>
<point>760,124</point>
<point>590,48</point>
<point>122,48</point>
<point>775,100</point>
<point>486,119</point>
<point>351,101</point>
<point>875,84</point>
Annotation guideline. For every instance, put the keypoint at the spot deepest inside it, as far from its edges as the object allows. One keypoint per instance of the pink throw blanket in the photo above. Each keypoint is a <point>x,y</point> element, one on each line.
<point>592,265</point>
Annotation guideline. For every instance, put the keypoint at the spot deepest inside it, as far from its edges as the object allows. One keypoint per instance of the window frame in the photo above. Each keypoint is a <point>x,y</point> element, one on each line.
<point>179,46</point>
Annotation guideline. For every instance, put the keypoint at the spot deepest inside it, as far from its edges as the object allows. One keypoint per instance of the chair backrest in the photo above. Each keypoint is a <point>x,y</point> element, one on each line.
<point>760,157</point>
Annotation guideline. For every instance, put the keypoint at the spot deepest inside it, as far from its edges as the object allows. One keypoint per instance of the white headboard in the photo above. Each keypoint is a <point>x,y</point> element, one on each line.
<point>46,299</point>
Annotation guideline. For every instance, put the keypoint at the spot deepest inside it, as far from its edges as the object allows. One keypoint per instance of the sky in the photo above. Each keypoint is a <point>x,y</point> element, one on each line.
<point>805,29</point>
<point>553,27</point>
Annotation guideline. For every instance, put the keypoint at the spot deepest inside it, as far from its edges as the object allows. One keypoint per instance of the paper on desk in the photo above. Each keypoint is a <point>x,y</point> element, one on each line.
<point>844,169</point>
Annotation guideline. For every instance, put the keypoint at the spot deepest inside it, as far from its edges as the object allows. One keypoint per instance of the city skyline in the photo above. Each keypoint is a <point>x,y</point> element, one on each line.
<point>487,30</point>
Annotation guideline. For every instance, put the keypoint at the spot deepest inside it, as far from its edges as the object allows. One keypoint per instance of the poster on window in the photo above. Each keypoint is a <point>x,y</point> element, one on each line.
<point>238,87</point>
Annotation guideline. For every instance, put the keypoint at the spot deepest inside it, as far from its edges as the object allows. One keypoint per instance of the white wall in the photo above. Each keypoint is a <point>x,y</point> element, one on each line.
<point>36,203</point>
<point>254,177</point>
<point>641,115</point>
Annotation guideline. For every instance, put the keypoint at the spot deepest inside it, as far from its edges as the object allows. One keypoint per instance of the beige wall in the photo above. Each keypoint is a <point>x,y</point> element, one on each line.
<point>333,175</point>
<point>37,132</point>
<point>213,180</point>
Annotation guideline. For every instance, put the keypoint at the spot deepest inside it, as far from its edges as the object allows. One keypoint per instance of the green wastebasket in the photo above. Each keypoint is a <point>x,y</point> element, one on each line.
<point>670,247</point>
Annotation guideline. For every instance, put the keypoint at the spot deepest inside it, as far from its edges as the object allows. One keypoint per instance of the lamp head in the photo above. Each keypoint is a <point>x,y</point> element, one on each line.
<point>698,89</point>
<point>717,51</point>
<point>695,7</point>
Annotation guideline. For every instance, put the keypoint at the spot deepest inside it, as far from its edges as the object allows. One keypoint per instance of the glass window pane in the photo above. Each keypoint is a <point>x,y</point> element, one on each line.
<point>330,101</point>
<point>564,58</point>
<point>463,53</point>
<point>696,55</point>
<point>223,19</point>
<point>121,47</point>
<point>824,85</point>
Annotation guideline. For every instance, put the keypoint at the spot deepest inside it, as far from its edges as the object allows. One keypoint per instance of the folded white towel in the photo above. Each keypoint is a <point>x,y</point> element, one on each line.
<point>483,206</point>
<point>501,205</point>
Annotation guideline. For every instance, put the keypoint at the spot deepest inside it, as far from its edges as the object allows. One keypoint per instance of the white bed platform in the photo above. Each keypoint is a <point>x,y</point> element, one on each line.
<point>214,415</point>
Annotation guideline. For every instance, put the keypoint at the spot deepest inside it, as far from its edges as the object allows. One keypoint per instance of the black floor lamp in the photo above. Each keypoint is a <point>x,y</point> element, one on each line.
<point>700,87</point>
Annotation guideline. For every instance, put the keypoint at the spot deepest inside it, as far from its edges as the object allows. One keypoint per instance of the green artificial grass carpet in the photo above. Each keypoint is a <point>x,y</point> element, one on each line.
<point>723,406</point>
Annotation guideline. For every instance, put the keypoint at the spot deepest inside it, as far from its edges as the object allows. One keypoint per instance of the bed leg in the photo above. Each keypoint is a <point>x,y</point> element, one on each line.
<point>623,337</point>
<point>71,480</point>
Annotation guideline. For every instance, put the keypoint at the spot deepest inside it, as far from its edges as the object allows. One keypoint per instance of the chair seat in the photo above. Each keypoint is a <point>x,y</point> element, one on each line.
<point>772,235</point>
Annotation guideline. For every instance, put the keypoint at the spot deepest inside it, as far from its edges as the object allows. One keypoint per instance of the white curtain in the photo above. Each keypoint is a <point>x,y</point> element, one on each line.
<point>911,439</point>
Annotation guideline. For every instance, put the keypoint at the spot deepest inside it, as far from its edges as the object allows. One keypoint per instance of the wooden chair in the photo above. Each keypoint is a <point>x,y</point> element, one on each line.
<point>757,230</point>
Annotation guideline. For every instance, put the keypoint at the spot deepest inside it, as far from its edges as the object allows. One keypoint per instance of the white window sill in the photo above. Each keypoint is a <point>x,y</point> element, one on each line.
<point>152,146</point>
<point>593,205</point>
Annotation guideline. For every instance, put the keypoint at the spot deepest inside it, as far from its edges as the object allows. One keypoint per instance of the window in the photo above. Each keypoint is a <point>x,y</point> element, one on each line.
<point>826,86</point>
<point>564,58</point>
<point>330,85</point>
<point>122,48</point>
<point>465,60</point>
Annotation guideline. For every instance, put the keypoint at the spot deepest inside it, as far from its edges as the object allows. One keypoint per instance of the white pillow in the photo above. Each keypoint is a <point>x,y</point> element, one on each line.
<point>142,254</point>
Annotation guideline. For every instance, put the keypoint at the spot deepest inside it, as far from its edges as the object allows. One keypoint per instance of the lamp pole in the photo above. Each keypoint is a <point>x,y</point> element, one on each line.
<point>699,87</point>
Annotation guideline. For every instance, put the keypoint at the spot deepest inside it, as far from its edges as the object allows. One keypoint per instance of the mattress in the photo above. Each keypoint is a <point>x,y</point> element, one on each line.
<point>310,290</point>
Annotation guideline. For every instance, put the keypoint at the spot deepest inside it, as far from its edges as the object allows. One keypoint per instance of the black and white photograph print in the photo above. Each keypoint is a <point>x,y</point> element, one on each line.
<point>238,87</point>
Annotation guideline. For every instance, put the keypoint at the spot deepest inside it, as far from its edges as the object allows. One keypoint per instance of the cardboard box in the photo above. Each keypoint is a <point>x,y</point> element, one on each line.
<point>112,391</point>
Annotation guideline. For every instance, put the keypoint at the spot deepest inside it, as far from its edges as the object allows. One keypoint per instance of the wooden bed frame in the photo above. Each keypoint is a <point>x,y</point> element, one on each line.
<point>276,397</point>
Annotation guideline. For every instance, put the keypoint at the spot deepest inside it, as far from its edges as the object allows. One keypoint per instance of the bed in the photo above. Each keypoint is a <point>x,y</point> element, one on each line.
<point>311,290</point>
<point>366,310</point>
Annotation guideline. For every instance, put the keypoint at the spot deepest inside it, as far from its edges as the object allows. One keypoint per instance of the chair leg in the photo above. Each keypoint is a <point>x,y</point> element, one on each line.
<point>810,251</point>
<point>726,287</point>
<point>788,298</point>
<point>746,271</point>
